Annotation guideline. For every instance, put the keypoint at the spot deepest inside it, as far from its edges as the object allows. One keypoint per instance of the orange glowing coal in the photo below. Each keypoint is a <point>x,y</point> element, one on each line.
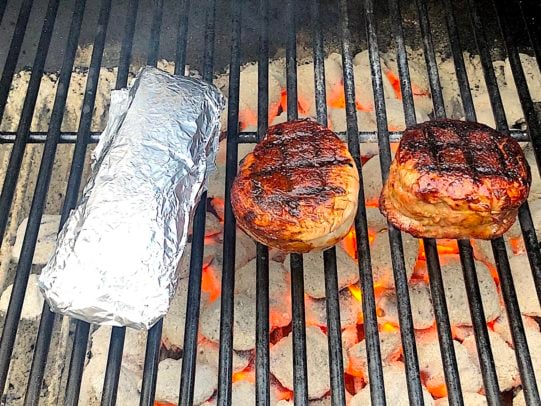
<point>244,375</point>
<point>395,83</point>
<point>517,245</point>
<point>444,247</point>
<point>210,283</point>
<point>349,243</point>
<point>388,327</point>
<point>438,391</point>
<point>163,403</point>
<point>356,292</point>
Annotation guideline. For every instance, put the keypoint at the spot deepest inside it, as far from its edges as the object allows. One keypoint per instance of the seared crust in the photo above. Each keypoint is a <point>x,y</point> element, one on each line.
<point>298,190</point>
<point>455,179</point>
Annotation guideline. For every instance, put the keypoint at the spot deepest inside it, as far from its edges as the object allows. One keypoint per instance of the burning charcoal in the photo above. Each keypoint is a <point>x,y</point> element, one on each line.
<point>501,326</point>
<point>376,221</point>
<point>364,95</point>
<point>314,272</point>
<point>455,291</point>
<point>349,337</point>
<point>396,389</point>
<point>174,320</point>
<point>390,347</point>
<point>350,310</point>
<point>244,326</point>
<point>168,381</point>
<point>395,115</point>
<point>133,354</point>
<point>372,181</point>
<point>248,98</point>
<point>337,120</point>
<point>535,187</point>
<point>33,300</point>
<point>281,363</point>
<point>92,383</point>
<point>46,242</point>
<point>470,399</point>
<point>184,263</point>
<point>524,285</point>
<point>535,209</point>
<point>208,353</point>
<point>421,305</point>
<point>461,332</point>
<point>243,393</point>
<point>279,290</point>
<point>430,364</point>
<point>382,267</point>
<point>504,360</point>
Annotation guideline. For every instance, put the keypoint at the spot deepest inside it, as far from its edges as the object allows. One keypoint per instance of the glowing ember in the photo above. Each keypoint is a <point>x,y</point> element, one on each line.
<point>438,391</point>
<point>210,283</point>
<point>389,327</point>
<point>395,82</point>
<point>247,118</point>
<point>356,292</point>
<point>517,245</point>
<point>244,375</point>
<point>444,247</point>
<point>349,243</point>
<point>163,403</point>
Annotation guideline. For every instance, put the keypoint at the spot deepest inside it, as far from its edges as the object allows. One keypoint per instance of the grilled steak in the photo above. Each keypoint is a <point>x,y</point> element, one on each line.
<point>297,191</point>
<point>455,179</point>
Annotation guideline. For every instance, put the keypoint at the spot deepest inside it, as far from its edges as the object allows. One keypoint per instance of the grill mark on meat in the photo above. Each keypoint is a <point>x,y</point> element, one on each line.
<point>478,159</point>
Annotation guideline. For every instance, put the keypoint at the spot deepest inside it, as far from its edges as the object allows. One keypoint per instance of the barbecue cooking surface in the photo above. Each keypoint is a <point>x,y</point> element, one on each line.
<point>276,61</point>
<point>298,190</point>
<point>455,179</point>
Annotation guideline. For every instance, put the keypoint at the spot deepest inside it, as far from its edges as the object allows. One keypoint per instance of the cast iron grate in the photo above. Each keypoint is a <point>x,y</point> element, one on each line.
<point>508,11</point>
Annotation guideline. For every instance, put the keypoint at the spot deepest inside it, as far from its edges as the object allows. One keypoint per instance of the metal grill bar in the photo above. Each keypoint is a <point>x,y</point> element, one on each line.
<point>466,253</point>
<point>182,40</point>
<point>395,238</point>
<point>300,368</point>
<point>23,269</point>
<point>532,10</point>
<point>249,137</point>
<point>17,153</point>
<point>2,9</point>
<point>80,339</point>
<point>262,351</point>
<point>43,340</point>
<point>334,329</point>
<point>228,274</point>
<point>118,334</point>
<point>13,53</point>
<point>375,371</point>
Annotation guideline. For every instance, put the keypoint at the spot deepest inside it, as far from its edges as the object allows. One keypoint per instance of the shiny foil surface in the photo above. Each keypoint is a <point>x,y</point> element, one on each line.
<point>116,257</point>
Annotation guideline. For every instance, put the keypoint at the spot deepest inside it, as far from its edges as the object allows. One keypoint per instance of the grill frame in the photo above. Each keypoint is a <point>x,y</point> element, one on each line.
<point>84,136</point>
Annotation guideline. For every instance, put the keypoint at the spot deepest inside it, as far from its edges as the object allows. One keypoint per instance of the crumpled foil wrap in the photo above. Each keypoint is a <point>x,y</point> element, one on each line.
<point>116,258</point>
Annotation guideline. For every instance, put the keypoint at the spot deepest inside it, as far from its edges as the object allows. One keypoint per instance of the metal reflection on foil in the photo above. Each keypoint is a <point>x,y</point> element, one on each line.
<point>117,254</point>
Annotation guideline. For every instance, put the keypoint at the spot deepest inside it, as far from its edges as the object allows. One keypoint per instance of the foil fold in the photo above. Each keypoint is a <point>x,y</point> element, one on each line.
<point>116,257</point>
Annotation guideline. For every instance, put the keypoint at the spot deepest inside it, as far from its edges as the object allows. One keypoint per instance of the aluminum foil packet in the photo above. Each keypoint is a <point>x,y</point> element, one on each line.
<point>116,257</point>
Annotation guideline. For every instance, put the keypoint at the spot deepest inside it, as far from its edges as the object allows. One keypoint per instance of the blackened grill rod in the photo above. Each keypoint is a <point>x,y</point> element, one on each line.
<point>24,266</point>
<point>300,368</point>
<point>484,350</point>
<point>118,334</point>
<point>17,153</point>
<point>498,245</point>
<point>375,371</point>
<point>2,9</point>
<point>407,331</point>
<point>262,351</point>
<point>46,325</point>
<point>466,254</point>
<point>80,339</point>
<point>13,54</point>
<point>154,39</point>
<point>250,137</point>
<point>525,218</point>
<point>182,38</point>
<point>334,328</point>
<point>225,370</point>
<point>506,20</point>
<point>437,291</point>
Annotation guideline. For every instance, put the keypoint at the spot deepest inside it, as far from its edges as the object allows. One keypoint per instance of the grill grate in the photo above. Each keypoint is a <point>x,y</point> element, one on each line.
<point>508,12</point>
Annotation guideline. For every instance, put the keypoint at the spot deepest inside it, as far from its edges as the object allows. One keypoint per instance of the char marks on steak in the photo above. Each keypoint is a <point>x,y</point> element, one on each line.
<point>455,179</point>
<point>298,189</point>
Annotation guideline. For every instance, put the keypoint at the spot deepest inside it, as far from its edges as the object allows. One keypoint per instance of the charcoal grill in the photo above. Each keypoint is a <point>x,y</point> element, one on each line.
<point>510,16</point>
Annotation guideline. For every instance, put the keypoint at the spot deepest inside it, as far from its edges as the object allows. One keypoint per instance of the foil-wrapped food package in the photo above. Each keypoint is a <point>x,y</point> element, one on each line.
<point>116,257</point>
